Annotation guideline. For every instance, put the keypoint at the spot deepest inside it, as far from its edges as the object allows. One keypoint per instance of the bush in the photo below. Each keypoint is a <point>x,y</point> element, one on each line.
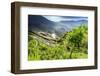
<point>67,47</point>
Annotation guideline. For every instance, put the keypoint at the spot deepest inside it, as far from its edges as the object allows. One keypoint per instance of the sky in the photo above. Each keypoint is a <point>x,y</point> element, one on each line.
<point>65,18</point>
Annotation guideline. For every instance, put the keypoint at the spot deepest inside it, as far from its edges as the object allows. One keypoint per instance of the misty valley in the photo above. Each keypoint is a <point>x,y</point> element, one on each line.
<point>57,37</point>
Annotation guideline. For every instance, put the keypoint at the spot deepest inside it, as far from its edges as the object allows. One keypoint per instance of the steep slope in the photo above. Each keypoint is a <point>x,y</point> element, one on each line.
<point>40,23</point>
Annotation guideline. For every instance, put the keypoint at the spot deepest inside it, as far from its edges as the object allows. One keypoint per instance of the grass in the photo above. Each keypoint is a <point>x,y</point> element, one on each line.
<point>74,56</point>
<point>78,55</point>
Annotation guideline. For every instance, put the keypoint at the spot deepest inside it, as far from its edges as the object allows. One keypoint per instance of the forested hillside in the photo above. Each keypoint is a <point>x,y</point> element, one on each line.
<point>71,45</point>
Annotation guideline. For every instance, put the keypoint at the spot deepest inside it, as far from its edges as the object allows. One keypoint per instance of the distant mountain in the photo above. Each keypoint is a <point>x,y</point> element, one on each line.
<point>74,23</point>
<point>39,23</point>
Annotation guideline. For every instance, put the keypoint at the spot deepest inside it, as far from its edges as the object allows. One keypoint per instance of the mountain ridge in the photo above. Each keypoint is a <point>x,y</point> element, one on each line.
<point>40,23</point>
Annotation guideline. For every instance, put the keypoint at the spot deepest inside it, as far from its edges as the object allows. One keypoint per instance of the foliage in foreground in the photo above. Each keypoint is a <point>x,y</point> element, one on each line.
<point>73,44</point>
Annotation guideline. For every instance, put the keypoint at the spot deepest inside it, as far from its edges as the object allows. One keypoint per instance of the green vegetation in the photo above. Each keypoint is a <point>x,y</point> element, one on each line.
<point>72,45</point>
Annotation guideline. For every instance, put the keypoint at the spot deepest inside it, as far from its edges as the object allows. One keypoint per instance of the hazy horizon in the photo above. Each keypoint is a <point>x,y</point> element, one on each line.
<point>55,24</point>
